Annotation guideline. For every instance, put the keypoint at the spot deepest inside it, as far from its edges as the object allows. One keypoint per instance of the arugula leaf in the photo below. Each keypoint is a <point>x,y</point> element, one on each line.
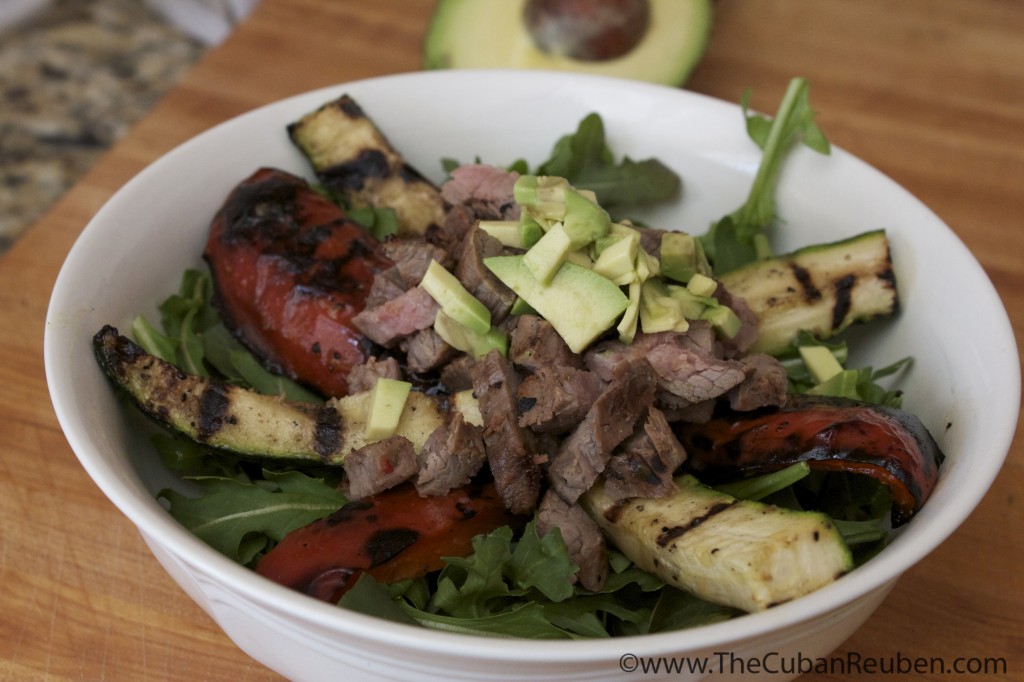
<point>759,487</point>
<point>231,511</point>
<point>741,237</point>
<point>586,161</point>
<point>858,384</point>
<point>195,340</point>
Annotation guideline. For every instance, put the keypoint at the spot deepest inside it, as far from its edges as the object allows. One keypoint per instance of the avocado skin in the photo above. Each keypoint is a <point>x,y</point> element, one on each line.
<point>470,34</point>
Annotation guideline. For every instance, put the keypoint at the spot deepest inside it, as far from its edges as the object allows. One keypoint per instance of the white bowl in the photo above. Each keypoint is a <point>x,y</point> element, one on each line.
<point>964,384</point>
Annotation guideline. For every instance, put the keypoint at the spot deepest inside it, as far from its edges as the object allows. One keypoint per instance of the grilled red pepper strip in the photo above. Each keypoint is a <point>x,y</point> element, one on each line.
<point>830,434</point>
<point>393,536</point>
<point>290,270</point>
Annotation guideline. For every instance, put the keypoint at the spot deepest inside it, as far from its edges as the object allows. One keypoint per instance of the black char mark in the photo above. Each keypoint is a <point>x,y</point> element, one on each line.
<point>352,175</point>
<point>670,534</point>
<point>811,292</point>
<point>844,294</point>
<point>327,434</point>
<point>388,543</point>
<point>213,411</point>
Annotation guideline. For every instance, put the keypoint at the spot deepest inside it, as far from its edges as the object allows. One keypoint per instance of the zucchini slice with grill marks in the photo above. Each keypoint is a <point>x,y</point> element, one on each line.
<point>354,161</point>
<point>739,553</point>
<point>822,289</point>
<point>250,424</point>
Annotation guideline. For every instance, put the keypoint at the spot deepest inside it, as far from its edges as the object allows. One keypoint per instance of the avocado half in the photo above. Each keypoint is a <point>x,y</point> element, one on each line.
<point>481,34</point>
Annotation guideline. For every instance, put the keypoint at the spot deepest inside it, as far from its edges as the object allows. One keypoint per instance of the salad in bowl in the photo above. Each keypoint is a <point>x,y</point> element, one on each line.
<point>552,390</point>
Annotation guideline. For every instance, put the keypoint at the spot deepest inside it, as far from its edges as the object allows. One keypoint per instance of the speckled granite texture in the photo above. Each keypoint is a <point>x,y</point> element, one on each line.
<point>72,80</point>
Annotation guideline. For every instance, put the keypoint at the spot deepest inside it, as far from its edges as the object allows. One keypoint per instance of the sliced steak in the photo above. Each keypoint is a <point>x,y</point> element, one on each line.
<point>766,384</point>
<point>583,538</point>
<point>609,421</point>
<point>412,256</point>
<point>458,221</point>
<point>534,343</point>
<point>691,375</point>
<point>457,375</point>
<point>644,464</point>
<point>485,189</point>
<point>480,281</point>
<point>363,377</point>
<point>555,399</point>
<point>399,317</point>
<point>387,284</point>
<point>378,466</point>
<point>510,449</point>
<point>450,457</point>
<point>426,351</point>
<point>747,334</point>
<point>684,362</point>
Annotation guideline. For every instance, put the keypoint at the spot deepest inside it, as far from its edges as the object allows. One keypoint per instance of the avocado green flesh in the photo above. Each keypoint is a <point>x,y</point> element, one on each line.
<point>478,34</point>
<point>579,303</point>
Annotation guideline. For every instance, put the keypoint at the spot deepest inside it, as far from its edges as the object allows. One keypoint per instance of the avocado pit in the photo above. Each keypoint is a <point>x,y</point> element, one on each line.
<point>587,30</point>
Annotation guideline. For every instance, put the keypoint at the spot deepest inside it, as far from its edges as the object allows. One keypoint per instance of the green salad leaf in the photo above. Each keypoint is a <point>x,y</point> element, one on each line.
<point>195,339</point>
<point>741,236</point>
<point>241,518</point>
<point>522,586</point>
<point>586,161</point>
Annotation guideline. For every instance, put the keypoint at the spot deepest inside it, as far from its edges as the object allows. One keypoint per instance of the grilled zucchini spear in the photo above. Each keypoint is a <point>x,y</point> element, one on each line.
<point>821,289</point>
<point>355,162</point>
<point>246,423</point>
<point>738,553</point>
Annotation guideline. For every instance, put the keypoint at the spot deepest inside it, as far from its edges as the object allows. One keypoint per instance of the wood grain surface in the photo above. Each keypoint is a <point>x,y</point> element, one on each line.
<point>929,91</point>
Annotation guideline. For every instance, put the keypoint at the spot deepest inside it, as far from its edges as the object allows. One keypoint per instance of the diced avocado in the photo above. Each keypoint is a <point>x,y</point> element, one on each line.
<point>821,363</point>
<point>740,553</point>
<point>723,319</point>
<point>521,307</point>
<point>618,260</point>
<point>579,303</point>
<point>496,34</point>
<point>468,341</point>
<point>455,301</point>
<point>544,258</point>
<point>584,220</point>
<point>693,306</point>
<point>820,289</point>
<point>841,385</point>
<point>508,232</point>
<point>682,256</point>
<point>659,310</point>
<point>530,231</point>
<point>701,285</point>
<point>387,402</point>
<point>541,196</point>
<point>631,317</point>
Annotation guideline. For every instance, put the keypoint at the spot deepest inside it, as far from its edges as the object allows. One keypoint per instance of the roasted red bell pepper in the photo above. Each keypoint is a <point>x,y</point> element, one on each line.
<point>392,536</point>
<point>830,434</point>
<point>290,270</point>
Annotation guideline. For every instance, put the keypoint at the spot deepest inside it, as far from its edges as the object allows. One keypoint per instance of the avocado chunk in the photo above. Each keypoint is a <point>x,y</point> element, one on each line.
<point>387,403</point>
<point>507,34</point>
<point>682,257</point>
<point>579,303</point>
<point>821,363</point>
<point>468,341</point>
<point>455,301</point>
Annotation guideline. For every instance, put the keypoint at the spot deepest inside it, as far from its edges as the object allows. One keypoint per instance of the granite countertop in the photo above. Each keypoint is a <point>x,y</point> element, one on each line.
<point>72,80</point>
